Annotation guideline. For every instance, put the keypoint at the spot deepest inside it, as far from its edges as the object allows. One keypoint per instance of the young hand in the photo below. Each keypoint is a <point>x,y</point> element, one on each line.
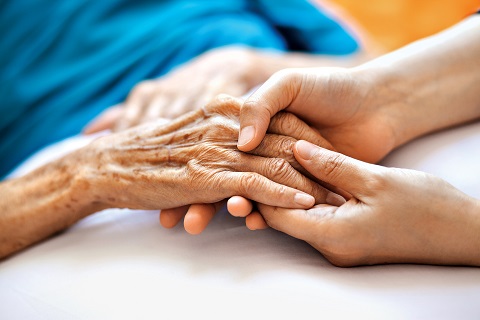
<point>394,215</point>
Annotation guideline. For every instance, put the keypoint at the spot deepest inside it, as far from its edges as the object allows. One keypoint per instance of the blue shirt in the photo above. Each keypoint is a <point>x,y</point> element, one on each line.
<point>63,62</point>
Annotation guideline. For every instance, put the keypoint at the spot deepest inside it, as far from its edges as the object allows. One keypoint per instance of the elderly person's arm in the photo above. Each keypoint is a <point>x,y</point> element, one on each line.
<point>192,159</point>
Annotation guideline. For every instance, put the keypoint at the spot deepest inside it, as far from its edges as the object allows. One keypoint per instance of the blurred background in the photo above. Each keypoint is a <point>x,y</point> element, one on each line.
<point>389,24</point>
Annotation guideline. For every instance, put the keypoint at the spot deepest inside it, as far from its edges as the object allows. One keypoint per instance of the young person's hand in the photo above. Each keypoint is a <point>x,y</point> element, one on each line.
<point>343,105</point>
<point>367,111</point>
<point>394,215</point>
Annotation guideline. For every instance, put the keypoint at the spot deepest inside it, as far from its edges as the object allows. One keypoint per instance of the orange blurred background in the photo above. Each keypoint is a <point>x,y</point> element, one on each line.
<point>389,24</point>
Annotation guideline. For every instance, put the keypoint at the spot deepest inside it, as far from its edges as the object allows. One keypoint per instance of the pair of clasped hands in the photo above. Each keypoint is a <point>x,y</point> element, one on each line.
<point>367,218</point>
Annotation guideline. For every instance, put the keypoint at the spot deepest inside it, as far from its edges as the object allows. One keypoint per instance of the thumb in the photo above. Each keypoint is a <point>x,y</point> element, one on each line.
<point>276,94</point>
<point>335,168</point>
<point>106,120</point>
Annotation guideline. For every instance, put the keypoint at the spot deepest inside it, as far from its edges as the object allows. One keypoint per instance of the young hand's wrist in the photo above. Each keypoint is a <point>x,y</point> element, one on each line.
<point>389,96</point>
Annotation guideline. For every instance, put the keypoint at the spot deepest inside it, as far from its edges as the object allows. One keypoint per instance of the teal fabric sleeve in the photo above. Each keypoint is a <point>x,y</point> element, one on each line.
<point>63,62</point>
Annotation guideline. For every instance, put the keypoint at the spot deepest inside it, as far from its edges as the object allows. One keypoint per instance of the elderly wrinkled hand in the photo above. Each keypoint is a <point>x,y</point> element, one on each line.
<point>194,159</point>
<point>277,146</point>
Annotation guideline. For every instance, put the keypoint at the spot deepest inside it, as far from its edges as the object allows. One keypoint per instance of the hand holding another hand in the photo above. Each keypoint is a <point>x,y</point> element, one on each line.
<point>194,159</point>
<point>277,149</point>
<point>344,105</point>
<point>394,215</point>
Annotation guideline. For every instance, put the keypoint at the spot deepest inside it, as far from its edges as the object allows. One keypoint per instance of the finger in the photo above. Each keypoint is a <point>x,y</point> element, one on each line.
<point>177,106</point>
<point>155,108</point>
<point>347,173</point>
<point>284,146</point>
<point>199,216</point>
<point>302,224</point>
<point>239,206</point>
<point>169,218</point>
<point>256,187</point>
<point>255,221</point>
<point>281,166</point>
<point>278,146</point>
<point>287,124</point>
<point>274,95</point>
<point>106,120</point>
<point>135,104</point>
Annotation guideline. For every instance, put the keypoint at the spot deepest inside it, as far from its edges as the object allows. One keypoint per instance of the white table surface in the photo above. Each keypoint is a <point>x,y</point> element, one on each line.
<point>121,264</point>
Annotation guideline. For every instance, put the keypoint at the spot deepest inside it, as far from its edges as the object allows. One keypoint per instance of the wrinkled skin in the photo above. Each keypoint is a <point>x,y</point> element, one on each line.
<point>194,159</point>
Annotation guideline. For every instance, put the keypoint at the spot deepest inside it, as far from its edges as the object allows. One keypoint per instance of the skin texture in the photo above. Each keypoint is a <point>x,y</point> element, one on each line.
<point>292,130</point>
<point>231,70</point>
<point>192,159</point>
<point>368,110</point>
<point>392,215</point>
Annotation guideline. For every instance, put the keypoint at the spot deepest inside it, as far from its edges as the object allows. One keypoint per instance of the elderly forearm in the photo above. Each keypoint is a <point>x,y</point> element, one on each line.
<point>41,203</point>
<point>192,159</point>
<point>431,84</point>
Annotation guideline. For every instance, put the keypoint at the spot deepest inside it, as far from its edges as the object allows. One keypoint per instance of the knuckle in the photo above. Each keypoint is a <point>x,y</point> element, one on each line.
<point>247,183</point>
<point>279,168</point>
<point>223,98</point>
<point>289,78</point>
<point>333,165</point>
<point>286,148</point>
<point>283,123</point>
<point>286,74</point>
<point>257,110</point>
<point>249,106</point>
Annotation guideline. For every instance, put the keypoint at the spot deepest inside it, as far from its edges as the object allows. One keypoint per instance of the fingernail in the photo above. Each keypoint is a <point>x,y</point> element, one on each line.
<point>305,149</point>
<point>246,135</point>
<point>335,199</point>
<point>304,200</point>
